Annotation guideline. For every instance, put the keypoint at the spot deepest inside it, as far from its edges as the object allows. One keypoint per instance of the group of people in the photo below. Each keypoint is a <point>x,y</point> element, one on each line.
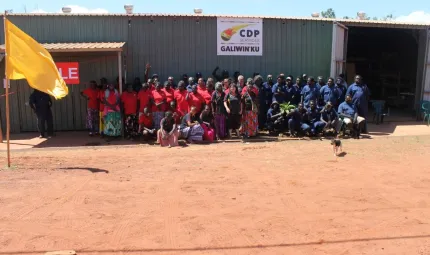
<point>199,110</point>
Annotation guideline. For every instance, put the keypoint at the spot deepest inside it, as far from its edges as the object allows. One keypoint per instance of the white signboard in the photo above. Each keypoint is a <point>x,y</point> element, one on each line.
<point>239,37</point>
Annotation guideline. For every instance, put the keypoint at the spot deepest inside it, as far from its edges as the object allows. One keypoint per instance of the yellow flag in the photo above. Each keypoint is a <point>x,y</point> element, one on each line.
<point>27,59</point>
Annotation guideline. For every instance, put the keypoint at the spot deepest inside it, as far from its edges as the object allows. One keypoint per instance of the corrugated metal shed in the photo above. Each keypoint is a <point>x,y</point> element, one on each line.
<point>79,47</point>
<point>173,44</point>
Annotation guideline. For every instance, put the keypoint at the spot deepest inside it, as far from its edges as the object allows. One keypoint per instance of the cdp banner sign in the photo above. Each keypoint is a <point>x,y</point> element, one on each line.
<point>69,71</point>
<point>239,37</point>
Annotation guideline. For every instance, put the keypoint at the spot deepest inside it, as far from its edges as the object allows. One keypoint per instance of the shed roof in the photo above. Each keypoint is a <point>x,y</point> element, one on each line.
<point>349,22</point>
<point>80,47</point>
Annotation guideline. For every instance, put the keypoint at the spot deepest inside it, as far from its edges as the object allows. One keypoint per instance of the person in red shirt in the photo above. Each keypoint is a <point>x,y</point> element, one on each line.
<point>112,112</point>
<point>180,98</point>
<point>92,94</point>
<point>202,90</point>
<point>170,93</point>
<point>102,88</point>
<point>129,103</point>
<point>250,84</point>
<point>159,105</point>
<point>146,125</point>
<point>195,99</point>
<point>144,98</point>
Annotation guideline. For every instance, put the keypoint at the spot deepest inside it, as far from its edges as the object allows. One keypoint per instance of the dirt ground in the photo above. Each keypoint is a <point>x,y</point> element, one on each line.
<point>289,197</point>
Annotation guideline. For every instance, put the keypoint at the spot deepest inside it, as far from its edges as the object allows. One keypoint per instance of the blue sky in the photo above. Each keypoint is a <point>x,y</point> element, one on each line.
<point>411,10</point>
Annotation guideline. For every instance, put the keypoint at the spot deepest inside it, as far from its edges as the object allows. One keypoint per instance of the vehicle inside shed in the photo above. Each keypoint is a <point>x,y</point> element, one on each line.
<point>387,60</point>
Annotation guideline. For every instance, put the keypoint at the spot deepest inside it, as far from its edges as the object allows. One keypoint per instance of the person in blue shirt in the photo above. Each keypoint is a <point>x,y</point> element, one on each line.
<point>304,80</point>
<point>314,119</point>
<point>263,100</point>
<point>342,89</point>
<point>330,93</point>
<point>310,92</point>
<point>348,114</point>
<point>320,82</point>
<point>275,119</point>
<point>292,93</point>
<point>360,96</point>
<point>297,121</point>
<point>278,90</point>
<point>298,84</point>
<point>330,118</point>
<point>190,85</point>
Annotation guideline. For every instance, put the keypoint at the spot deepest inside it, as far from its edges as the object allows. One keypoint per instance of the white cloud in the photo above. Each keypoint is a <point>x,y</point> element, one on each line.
<point>76,9</point>
<point>39,11</point>
<point>416,17</point>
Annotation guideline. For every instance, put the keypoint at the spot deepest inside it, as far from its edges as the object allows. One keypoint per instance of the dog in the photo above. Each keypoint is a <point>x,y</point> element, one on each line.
<point>337,145</point>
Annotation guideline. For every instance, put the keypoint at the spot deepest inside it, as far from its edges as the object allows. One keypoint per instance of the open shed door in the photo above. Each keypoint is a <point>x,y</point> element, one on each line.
<point>338,49</point>
<point>426,73</point>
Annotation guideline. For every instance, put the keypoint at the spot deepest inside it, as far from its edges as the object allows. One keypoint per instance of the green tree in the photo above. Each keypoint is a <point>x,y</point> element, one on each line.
<point>388,17</point>
<point>329,14</point>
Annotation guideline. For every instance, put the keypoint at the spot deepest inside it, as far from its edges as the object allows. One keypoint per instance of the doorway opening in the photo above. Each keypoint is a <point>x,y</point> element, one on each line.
<point>387,59</point>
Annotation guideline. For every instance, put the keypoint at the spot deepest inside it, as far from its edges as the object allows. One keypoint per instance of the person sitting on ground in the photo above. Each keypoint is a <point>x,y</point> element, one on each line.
<point>168,133</point>
<point>297,121</point>
<point>190,128</point>
<point>207,123</point>
<point>146,124</point>
<point>349,116</point>
<point>330,118</point>
<point>314,119</point>
<point>275,119</point>
<point>177,114</point>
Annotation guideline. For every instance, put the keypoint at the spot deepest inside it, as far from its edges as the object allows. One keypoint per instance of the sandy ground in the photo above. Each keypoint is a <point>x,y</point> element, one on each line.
<point>289,197</point>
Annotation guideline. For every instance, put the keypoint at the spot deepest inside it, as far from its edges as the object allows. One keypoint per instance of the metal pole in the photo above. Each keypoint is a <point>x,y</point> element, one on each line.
<point>7,95</point>
<point>120,86</point>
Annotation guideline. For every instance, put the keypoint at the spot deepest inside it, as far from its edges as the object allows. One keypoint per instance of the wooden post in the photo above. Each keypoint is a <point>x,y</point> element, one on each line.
<point>7,95</point>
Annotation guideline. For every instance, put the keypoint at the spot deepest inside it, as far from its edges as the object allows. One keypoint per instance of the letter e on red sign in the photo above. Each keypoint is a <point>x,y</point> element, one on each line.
<point>69,71</point>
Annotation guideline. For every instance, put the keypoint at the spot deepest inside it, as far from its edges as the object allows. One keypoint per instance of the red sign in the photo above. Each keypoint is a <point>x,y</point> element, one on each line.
<point>69,71</point>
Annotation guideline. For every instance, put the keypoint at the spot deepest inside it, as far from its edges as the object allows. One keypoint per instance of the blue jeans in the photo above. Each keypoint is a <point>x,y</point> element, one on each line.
<point>317,127</point>
<point>297,126</point>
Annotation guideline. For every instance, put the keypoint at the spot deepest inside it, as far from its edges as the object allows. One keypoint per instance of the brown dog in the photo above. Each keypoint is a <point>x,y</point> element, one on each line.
<point>337,145</point>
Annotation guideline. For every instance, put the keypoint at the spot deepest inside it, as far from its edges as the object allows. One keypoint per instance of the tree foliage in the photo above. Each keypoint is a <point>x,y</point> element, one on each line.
<point>329,14</point>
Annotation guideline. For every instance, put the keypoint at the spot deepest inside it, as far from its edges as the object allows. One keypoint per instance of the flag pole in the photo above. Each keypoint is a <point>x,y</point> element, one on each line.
<point>7,95</point>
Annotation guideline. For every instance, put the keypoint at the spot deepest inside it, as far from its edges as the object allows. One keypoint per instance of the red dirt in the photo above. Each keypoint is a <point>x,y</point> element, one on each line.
<point>261,198</point>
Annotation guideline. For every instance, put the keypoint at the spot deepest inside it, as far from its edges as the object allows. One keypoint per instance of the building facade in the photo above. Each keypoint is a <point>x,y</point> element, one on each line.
<point>173,45</point>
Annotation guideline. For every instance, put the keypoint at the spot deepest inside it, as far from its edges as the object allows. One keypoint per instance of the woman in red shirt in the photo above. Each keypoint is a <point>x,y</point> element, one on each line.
<point>112,114</point>
<point>195,99</point>
<point>159,105</point>
<point>202,90</point>
<point>180,98</point>
<point>92,94</point>
<point>169,92</point>
<point>129,102</point>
